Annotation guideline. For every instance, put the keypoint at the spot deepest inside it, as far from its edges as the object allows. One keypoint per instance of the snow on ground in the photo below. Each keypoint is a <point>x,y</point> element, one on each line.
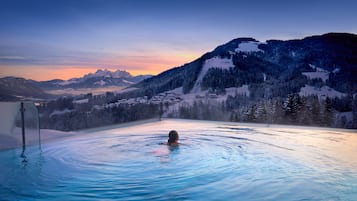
<point>233,91</point>
<point>58,112</point>
<point>318,69</point>
<point>127,90</point>
<point>190,98</point>
<point>94,91</point>
<point>247,47</point>
<point>243,90</point>
<point>128,82</point>
<point>344,119</point>
<point>81,101</point>
<point>176,98</point>
<point>100,83</point>
<point>320,73</point>
<point>322,92</point>
<point>178,90</point>
<point>68,82</point>
<point>316,75</point>
<point>186,99</point>
<point>215,62</point>
<point>336,70</point>
<point>348,116</point>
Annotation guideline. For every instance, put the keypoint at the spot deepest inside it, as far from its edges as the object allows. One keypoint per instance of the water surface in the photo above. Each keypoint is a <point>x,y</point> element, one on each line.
<point>215,161</point>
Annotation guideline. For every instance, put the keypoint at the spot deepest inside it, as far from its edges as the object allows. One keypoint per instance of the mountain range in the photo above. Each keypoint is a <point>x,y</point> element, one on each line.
<point>100,78</point>
<point>273,68</point>
<point>309,81</point>
<point>14,88</point>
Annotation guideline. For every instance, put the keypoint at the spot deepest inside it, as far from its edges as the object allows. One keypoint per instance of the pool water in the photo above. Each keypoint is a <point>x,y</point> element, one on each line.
<point>215,161</point>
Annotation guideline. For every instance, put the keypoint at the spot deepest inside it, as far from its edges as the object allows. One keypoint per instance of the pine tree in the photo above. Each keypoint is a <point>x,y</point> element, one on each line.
<point>327,113</point>
<point>251,112</point>
<point>315,110</point>
<point>261,113</point>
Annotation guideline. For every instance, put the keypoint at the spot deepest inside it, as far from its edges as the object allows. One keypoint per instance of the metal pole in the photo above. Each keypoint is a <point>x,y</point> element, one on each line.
<point>39,128</point>
<point>22,110</point>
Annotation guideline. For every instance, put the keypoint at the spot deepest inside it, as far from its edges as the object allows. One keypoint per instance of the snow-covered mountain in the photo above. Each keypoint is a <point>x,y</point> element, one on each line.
<point>108,73</point>
<point>12,88</point>
<point>101,78</point>
<point>310,66</point>
<point>310,81</point>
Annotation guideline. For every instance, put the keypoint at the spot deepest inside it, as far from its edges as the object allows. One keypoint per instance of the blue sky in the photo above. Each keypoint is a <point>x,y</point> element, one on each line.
<point>142,36</point>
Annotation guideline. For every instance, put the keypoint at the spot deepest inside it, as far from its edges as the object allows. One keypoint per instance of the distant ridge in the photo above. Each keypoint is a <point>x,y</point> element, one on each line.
<point>13,88</point>
<point>100,78</point>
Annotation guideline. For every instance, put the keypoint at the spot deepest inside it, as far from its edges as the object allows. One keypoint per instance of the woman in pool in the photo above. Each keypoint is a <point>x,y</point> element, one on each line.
<point>172,142</point>
<point>173,138</point>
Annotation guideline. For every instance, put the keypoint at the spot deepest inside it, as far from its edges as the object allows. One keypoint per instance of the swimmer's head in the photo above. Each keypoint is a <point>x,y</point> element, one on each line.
<point>173,137</point>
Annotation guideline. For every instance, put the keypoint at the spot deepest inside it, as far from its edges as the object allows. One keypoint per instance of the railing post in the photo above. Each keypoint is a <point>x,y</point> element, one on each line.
<point>39,129</point>
<point>22,110</point>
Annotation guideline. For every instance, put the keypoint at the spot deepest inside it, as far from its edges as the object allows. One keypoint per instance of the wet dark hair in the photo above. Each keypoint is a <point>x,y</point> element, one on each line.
<point>173,137</point>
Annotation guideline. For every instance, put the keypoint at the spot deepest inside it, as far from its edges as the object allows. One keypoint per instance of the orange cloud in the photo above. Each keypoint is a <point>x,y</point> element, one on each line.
<point>42,73</point>
<point>136,65</point>
<point>154,64</point>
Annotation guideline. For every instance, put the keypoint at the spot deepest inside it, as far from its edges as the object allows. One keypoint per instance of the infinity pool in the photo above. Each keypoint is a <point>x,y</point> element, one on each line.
<point>215,161</point>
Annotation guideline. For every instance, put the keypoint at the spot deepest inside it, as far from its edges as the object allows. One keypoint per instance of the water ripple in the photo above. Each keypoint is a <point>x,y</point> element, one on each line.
<point>216,162</point>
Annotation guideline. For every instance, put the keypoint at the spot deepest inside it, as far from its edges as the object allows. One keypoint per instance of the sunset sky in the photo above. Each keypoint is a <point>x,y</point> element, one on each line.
<point>47,39</point>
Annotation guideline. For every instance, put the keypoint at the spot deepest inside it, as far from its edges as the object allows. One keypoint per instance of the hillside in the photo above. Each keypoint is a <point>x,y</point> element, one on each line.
<point>12,88</point>
<point>273,81</point>
<point>310,82</point>
<point>280,67</point>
